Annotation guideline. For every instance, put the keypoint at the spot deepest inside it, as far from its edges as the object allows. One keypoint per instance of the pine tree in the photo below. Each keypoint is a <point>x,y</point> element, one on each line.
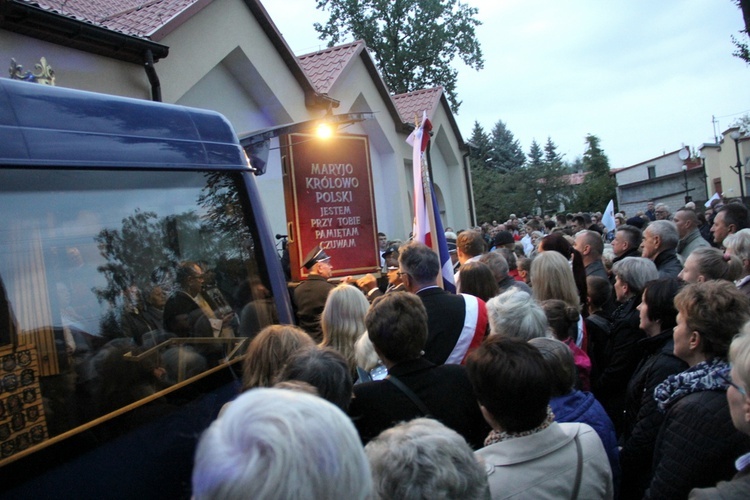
<point>483,179</point>
<point>599,186</point>
<point>535,156</point>
<point>506,154</point>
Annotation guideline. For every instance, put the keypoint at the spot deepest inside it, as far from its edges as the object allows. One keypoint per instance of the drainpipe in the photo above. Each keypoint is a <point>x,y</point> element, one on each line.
<point>153,78</point>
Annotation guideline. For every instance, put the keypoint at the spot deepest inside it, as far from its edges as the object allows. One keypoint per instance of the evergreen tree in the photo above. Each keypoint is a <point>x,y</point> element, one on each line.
<point>551,157</point>
<point>506,154</point>
<point>599,186</point>
<point>483,179</point>
<point>535,155</point>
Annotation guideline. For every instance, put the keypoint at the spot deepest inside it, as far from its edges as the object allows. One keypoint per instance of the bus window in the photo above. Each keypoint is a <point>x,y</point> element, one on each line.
<point>92,263</point>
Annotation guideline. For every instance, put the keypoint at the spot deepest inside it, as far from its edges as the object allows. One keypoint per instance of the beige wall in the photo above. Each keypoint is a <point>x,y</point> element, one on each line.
<point>721,160</point>
<point>220,59</point>
<point>75,69</point>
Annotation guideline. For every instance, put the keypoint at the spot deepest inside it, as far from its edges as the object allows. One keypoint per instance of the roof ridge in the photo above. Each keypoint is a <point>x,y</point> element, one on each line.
<point>331,49</point>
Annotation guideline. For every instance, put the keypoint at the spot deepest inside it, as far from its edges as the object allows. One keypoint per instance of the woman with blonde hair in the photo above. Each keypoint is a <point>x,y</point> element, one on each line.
<point>268,353</point>
<point>708,263</point>
<point>552,278</point>
<point>557,242</point>
<point>343,321</point>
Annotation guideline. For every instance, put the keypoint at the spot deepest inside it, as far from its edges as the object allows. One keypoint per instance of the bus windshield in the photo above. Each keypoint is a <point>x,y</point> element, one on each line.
<point>115,286</point>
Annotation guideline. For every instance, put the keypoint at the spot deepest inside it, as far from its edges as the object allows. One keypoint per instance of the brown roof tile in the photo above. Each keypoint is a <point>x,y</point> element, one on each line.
<point>324,67</point>
<point>133,17</point>
<point>412,104</point>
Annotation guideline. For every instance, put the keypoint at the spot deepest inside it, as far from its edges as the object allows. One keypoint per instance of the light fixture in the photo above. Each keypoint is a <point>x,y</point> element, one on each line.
<point>324,130</point>
<point>257,144</point>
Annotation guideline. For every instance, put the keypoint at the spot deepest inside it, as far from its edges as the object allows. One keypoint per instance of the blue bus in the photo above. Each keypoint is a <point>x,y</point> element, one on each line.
<point>105,202</point>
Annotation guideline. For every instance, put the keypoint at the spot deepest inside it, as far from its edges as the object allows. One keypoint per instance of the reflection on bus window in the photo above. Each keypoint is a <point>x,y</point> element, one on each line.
<point>119,285</point>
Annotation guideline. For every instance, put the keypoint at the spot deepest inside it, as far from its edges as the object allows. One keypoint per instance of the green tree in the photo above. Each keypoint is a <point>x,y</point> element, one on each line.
<point>483,179</point>
<point>743,51</point>
<point>506,154</point>
<point>554,184</point>
<point>414,42</point>
<point>599,186</point>
<point>536,155</point>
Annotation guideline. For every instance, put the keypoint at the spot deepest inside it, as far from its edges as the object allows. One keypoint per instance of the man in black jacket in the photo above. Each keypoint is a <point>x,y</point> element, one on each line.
<point>415,387</point>
<point>660,241</point>
<point>310,296</point>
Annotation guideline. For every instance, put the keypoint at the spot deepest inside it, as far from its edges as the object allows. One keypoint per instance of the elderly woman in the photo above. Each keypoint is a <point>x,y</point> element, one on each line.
<point>249,451</point>
<point>343,321</point>
<point>738,244</point>
<point>697,443</point>
<point>708,263</point>
<point>739,383</point>
<point>658,317</point>
<point>516,314</point>
<point>609,382</point>
<point>423,458</point>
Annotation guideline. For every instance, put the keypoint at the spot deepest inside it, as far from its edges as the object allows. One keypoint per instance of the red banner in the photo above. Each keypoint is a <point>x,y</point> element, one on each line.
<point>330,202</point>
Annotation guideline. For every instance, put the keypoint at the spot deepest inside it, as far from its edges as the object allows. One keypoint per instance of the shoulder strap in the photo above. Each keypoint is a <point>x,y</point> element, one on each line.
<point>579,467</point>
<point>410,394</point>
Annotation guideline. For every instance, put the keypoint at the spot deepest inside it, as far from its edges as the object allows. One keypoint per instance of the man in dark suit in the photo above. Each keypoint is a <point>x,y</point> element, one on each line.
<point>415,387</point>
<point>456,324</point>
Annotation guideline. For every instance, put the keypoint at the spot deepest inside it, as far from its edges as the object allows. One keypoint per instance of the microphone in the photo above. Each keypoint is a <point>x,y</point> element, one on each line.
<point>280,236</point>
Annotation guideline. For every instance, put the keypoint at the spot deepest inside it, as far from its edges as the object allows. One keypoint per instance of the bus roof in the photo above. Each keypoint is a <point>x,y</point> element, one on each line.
<point>44,126</point>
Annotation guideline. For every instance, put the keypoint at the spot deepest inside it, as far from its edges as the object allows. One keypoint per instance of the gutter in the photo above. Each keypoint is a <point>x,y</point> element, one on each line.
<point>32,21</point>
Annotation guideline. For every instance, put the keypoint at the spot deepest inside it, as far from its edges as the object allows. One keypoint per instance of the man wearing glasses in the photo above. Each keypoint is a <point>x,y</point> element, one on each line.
<point>456,324</point>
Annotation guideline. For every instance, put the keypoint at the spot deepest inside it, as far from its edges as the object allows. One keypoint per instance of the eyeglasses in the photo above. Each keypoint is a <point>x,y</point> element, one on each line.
<point>727,377</point>
<point>400,273</point>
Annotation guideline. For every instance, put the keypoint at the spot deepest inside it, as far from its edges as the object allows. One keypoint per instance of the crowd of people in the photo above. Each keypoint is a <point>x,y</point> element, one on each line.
<point>575,361</point>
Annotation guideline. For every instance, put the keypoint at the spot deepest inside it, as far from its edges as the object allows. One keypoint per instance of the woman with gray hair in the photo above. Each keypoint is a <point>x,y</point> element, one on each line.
<point>738,244</point>
<point>277,444</point>
<point>423,458</point>
<point>516,314</point>
<point>621,355</point>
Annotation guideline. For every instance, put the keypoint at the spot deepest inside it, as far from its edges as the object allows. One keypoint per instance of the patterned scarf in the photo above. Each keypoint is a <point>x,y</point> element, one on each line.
<point>705,376</point>
<point>498,436</point>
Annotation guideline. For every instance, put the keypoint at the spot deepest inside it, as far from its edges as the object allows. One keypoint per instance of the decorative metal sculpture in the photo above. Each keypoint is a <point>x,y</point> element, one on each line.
<point>44,73</point>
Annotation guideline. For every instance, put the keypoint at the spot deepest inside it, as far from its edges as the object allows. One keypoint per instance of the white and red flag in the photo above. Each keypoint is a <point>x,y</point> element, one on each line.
<point>428,227</point>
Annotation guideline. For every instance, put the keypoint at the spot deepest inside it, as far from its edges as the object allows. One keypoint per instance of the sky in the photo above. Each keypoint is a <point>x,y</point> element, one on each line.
<point>645,76</point>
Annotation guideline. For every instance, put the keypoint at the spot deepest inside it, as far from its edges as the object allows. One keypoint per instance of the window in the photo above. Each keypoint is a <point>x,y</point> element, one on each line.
<point>652,171</point>
<point>88,261</point>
